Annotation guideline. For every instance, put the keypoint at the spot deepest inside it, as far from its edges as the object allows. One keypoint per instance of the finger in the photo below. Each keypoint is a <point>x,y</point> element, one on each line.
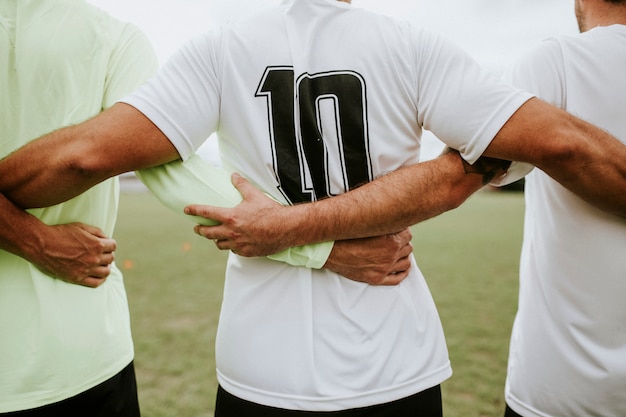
<point>107,259</point>
<point>108,246</point>
<point>404,236</point>
<point>93,282</point>
<point>396,278</point>
<point>402,265</point>
<point>209,232</point>
<point>223,244</point>
<point>406,250</point>
<point>96,231</point>
<point>217,214</point>
<point>245,187</point>
<point>100,271</point>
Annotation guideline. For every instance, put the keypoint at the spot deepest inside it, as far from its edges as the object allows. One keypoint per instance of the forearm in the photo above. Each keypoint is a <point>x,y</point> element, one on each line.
<point>76,253</point>
<point>42,174</point>
<point>390,204</point>
<point>19,231</point>
<point>584,159</point>
<point>258,226</point>
<point>67,162</point>
<point>595,169</point>
<point>179,184</point>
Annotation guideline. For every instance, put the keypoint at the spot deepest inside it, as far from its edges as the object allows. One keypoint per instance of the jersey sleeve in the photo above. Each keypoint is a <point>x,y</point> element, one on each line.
<point>540,72</point>
<point>183,99</point>
<point>132,63</point>
<point>461,103</point>
<point>194,181</point>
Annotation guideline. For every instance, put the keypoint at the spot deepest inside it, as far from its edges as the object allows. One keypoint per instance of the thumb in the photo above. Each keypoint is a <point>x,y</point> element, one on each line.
<point>245,187</point>
<point>96,231</point>
<point>108,244</point>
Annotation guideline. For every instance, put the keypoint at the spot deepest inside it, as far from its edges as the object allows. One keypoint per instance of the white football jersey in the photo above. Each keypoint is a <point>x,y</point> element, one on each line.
<point>568,347</point>
<point>309,100</point>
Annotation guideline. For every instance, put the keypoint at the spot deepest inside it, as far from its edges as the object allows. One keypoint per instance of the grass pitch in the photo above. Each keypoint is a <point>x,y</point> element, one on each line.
<point>470,258</point>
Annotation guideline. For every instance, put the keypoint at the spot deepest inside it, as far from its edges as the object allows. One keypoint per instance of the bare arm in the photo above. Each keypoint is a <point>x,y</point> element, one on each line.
<point>67,162</point>
<point>75,253</point>
<point>393,202</point>
<point>583,158</point>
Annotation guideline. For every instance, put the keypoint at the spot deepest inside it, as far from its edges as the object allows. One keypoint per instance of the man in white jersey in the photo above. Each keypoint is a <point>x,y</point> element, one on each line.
<point>310,99</point>
<point>65,349</point>
<point>568,346</point>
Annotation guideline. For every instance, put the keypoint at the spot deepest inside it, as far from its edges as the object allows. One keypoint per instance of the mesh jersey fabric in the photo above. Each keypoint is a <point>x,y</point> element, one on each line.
<point>310,99</point>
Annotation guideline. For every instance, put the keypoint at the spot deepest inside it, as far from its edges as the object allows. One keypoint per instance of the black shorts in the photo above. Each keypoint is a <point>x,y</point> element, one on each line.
<point>115,397</point>
<point>424,404</point>
<point>510,413</point>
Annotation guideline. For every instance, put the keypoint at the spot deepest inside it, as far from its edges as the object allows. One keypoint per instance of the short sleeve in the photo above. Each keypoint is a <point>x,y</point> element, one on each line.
<point>462,104</point>
<point>540,72</point>
<point>183,100</point>
<point>133,62</point>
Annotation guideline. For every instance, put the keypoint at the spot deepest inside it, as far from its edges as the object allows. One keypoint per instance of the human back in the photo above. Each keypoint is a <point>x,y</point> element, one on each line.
<point>568,336</point>
<point>64,64</point>
<point>310,100</point>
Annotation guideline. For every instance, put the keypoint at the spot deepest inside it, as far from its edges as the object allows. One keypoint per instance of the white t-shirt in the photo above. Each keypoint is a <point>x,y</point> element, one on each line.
<point>568,348</point>
<point>365,86</point>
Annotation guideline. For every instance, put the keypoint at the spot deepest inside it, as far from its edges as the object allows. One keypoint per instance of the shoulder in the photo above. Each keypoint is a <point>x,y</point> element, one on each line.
<point>541,71</point>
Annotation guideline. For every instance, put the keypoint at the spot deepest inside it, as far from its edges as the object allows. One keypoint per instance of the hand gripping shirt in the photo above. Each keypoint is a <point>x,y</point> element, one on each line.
<point>310,99</point>
<point>63,61</point>
<point>568,346</point>
<point>195,181</point>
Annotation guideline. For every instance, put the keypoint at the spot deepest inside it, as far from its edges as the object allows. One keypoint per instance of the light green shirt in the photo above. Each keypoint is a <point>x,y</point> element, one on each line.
<point>61,62</point>
<point>195,181</point>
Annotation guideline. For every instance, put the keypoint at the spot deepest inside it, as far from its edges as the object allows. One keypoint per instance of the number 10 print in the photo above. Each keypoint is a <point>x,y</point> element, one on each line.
<point>320,130</point>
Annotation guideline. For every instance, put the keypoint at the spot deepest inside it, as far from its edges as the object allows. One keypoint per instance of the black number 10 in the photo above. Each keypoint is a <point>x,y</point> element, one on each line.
<point>305,152</point>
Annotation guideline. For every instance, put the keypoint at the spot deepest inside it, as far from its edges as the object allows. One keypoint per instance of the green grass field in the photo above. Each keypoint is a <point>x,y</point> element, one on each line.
<point>174,282</point>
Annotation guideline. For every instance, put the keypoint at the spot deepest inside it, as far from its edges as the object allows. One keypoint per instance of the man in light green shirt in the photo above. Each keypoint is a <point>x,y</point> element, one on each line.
<point>64,348</point>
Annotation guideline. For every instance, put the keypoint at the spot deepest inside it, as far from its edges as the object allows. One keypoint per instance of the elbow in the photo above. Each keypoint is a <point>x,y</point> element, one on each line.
<point>456,193</point>
<point>457,196</point>
<point>459,191</point>
<point>571,144</point>
<point>82,170</point>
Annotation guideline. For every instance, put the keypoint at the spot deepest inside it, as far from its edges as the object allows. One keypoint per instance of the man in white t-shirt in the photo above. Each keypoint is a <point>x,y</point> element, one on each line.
<point>568,347</point>
<point>311,99</point>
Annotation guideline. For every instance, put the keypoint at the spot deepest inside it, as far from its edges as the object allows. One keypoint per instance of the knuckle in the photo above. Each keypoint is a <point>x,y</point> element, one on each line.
<point>232,235</point>
<point>245,252</point>
<point>229,219</point>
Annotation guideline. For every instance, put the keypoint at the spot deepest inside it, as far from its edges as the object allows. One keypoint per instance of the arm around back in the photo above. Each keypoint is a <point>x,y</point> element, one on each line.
<point>583,158</point>
<point>259,227</point>
<point>66,162</point>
